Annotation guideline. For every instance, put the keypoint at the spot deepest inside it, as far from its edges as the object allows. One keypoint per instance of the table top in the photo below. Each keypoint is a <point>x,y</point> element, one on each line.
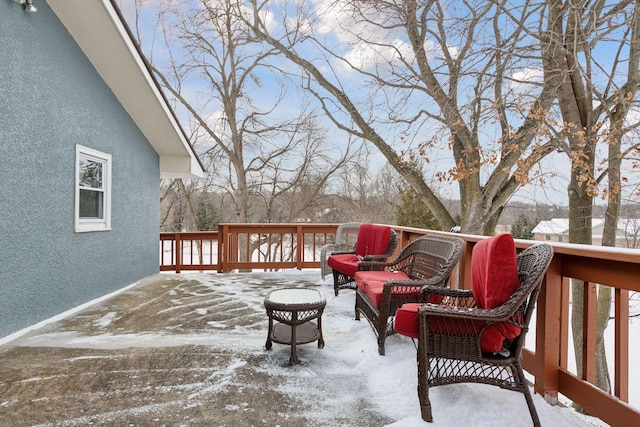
<point>295,296</point>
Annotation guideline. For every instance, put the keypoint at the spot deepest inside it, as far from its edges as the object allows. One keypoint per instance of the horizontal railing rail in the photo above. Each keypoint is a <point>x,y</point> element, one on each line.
<point>240,247</point>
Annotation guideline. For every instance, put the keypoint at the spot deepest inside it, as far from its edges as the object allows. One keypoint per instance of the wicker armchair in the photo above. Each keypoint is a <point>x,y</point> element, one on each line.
<point>373,243</point>
<point>450,335</point>
<point>382,287</point>
<point>345,241</point>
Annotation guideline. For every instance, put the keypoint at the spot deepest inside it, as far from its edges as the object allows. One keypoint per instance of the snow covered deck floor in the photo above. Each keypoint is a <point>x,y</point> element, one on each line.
<point>189,350</point>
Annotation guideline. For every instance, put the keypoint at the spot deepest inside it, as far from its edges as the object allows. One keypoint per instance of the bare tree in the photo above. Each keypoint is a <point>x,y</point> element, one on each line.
<point>257,140</point>
<point>440,76</point>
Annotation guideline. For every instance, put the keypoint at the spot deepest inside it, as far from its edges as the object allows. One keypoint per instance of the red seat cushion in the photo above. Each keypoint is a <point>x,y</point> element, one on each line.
<point>406,321</point>
<point>344,263</point>
<point>494,276</point>
<point>372,284</point>
<point>372,239</point>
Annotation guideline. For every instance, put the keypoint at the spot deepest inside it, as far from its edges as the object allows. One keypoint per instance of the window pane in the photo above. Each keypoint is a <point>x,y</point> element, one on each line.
<point>90,173</point>
<point>91,203</point>
<point>93,193</point>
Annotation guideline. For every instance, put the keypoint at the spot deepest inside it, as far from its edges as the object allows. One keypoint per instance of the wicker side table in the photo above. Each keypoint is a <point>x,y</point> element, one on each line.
<point>293,311</point>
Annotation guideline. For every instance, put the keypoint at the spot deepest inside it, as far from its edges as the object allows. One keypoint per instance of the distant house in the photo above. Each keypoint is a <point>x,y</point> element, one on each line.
<point>85,136</point>
<point>554,230</point>
<point>557,230</point>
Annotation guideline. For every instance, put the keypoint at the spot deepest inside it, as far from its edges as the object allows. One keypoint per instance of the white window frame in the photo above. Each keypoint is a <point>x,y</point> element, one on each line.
<point>94,224</point>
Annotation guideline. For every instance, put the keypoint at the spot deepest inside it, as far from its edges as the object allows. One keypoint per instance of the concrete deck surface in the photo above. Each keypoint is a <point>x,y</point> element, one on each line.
<point>150,356</point>
<point>188,350</point>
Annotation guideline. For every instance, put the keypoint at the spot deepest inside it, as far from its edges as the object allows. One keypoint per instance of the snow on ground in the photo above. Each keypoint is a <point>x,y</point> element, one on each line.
<point>391,380</point>
<point>396,373</point>
<point>350,359</point>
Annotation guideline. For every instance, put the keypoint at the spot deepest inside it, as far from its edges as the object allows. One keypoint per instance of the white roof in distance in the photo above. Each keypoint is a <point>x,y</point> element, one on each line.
<point>552,226</point>
<point>561,226</point>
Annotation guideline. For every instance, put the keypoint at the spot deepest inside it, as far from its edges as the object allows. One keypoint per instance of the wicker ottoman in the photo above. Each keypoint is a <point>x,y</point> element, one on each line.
<point>290,313</point>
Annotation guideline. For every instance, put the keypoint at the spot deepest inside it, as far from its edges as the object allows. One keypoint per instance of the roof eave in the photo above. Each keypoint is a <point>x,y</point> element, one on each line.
<point>99,30</point>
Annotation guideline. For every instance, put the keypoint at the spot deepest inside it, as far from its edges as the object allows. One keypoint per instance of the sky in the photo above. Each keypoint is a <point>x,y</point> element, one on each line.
<point>332,25</point>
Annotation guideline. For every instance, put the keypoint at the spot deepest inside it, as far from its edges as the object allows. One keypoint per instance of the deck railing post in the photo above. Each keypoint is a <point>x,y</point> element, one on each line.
<point>299,247</point>
<point>590,298</point>
<point>547,351</point>
<point>223,249</point>
<point>621,357</point>
<point>178,252</point>
<point>221,241</point>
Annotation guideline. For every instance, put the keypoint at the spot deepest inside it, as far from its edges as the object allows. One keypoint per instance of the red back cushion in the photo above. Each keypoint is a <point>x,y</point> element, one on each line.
<point>494,271</point>
<point>494,276</point>
<point>372,239</point>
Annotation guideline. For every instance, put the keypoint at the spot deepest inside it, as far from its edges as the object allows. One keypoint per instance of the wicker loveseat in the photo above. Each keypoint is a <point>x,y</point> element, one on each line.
<point>477,335</point>
<point>382,287</point>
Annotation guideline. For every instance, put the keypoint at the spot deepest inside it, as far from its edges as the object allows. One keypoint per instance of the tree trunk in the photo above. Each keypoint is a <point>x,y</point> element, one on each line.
<point>191,217</point>
<point>572,34</point>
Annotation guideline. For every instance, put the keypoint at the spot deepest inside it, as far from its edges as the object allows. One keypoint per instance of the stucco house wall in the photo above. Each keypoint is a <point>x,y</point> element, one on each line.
<point>51,99</point>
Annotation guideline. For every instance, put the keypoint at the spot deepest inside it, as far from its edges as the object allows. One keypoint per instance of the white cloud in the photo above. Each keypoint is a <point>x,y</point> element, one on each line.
<point>333,19</point>
<point>367,46</point>
<point>633,117</point>
<point>302,25</point>
<point>267,19</point>
<point>453,51</point>
<point>525,77</point>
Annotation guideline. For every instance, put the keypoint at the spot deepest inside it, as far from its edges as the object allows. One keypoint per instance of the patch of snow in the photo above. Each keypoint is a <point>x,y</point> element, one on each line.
<point>105,320</point>
<point>217,325</point>
<point>69,313</point>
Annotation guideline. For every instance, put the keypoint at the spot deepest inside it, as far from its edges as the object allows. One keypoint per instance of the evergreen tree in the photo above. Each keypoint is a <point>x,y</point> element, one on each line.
<point>522,228</point>
<point>413,211</point>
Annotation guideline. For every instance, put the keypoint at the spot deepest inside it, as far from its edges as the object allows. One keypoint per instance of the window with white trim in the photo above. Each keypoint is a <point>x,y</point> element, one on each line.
<point>93,190</point>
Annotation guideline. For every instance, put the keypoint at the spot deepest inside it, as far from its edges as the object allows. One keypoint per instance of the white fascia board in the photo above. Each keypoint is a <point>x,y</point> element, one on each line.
<point>98,30</point>
<point>170,165</point>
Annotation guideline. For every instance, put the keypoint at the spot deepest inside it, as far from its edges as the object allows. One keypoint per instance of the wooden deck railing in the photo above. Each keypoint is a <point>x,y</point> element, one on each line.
<point>246,246</point>
<point>189,251</point>
<point>276,246</point>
